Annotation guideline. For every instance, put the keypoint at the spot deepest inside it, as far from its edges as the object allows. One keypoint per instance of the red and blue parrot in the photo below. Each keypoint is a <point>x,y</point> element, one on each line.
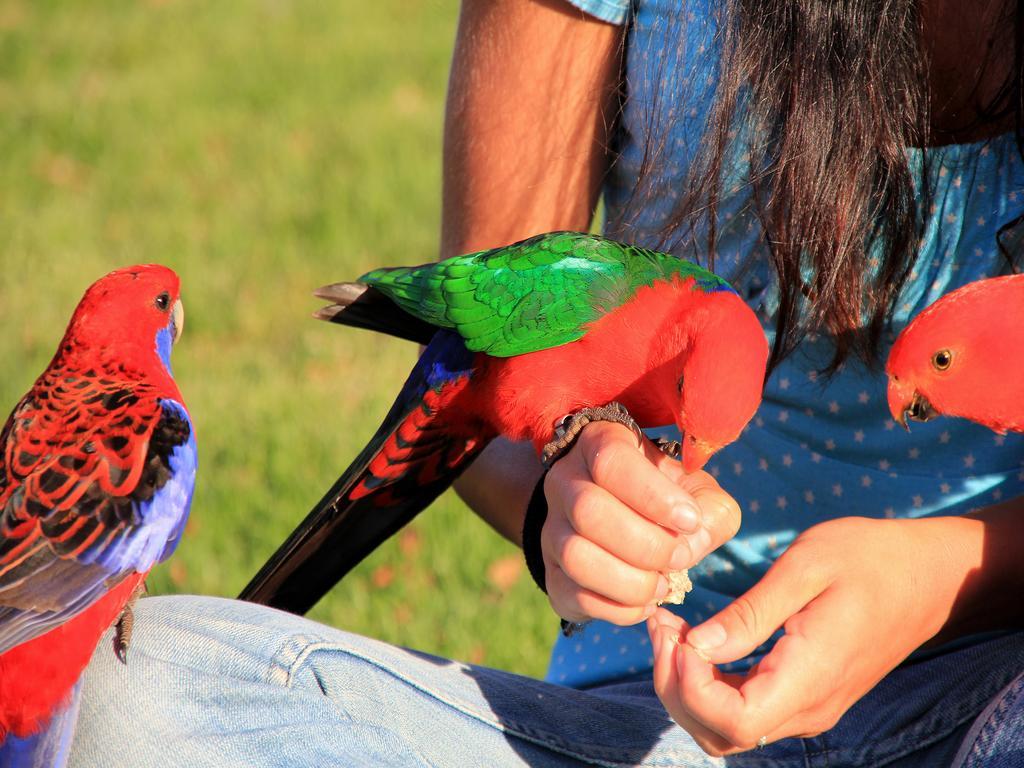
<point>97,467</point>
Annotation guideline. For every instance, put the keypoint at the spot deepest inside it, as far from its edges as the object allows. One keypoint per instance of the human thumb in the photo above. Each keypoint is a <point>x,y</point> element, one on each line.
<point>753,617</point>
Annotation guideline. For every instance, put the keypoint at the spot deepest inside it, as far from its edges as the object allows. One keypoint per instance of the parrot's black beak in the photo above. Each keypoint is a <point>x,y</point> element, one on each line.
<point>919,409</point>
<point>906,402</point>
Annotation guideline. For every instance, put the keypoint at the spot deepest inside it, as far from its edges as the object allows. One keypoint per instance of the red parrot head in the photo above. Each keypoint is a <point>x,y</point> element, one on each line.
<point>722,376</point>
<point>132,306</point>
<point>958,357</point>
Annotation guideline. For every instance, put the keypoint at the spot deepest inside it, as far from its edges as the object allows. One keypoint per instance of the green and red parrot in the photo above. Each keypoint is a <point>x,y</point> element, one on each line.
<point>517,338</point>
<point>959,358</point>
<point>97,465</point>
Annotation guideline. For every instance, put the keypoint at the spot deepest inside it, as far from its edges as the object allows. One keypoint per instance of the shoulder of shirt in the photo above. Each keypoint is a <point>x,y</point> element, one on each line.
<point>612,11</point>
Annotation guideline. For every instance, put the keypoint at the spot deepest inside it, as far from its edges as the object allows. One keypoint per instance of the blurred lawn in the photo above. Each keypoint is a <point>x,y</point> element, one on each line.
<point>260,149</point>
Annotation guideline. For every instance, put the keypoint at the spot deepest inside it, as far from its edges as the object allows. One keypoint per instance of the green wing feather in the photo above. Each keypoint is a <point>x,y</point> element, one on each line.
<point>535,294</point>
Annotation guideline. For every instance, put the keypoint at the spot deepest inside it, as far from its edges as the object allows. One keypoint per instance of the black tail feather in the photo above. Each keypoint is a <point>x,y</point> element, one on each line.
<point>413,469</point>
<point>333,539</point>
<point>361,306</point>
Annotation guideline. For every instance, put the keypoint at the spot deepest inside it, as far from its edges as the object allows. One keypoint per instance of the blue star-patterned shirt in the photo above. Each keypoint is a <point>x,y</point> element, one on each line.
<point>818,448</point>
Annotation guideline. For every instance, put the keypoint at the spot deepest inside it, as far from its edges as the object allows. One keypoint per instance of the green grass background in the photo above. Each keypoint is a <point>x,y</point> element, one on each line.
<point>261,149</point>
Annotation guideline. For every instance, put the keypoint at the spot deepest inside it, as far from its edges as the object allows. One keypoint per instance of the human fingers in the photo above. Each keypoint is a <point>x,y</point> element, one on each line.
<point>594,568</point>
<point>798,690</point>
<point>575,603</point>
<point>582,579</point>
<point>600,517</point>
<point>593,488</point>
<point>749,620</point>
<point>783,695</point>
<point>665,629</point>
<point>658,489</point>
<point>616,463</point>
<point>720,513</point>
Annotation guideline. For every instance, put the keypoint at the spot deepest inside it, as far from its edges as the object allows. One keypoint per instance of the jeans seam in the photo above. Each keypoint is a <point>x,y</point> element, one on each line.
<point>918,736</point>
<point>297,650</point>
<point>289,656</point>
<point>1005,698</point>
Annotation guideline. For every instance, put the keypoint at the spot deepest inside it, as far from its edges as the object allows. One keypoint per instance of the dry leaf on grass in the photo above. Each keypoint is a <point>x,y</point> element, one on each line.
<point>382,576</point>
<point>409,541</point>
<point>504,572</point>
<point>477,654</point>
<point>178,573</point>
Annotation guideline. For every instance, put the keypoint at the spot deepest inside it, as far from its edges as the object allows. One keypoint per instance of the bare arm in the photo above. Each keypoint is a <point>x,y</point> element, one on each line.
<point>530,99</point>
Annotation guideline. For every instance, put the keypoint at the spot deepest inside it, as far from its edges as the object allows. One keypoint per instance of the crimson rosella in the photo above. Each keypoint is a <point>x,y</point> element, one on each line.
<point>518,337</point>
<point>97,468</point>
<point>958,357</point>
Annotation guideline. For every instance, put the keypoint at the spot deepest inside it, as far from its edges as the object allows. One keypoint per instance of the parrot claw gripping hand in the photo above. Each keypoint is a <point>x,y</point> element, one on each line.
<point>568,428</point>
<point>97,466</point>
<point>957,358</point>
<point>517,337</point>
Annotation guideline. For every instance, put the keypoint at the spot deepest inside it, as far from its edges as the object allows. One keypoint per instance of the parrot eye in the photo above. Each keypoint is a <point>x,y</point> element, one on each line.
<point>163,301</point>
<point>942,359</point>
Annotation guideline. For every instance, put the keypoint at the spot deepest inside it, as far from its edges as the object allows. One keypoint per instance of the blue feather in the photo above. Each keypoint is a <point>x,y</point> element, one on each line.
<point>51,746</point>
<point>163,517</point>
<point>445,359</point>
<point>164,342</point>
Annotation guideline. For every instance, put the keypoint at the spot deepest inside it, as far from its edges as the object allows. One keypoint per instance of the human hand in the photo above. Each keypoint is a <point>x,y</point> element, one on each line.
<point>621,516</point>
<point>856,596</point>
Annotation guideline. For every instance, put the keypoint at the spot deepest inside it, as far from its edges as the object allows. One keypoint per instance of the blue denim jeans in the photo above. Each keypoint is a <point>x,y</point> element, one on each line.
<point>220,683</point>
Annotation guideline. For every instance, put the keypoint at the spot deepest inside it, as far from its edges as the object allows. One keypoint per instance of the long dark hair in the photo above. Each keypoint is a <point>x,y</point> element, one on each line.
<point>830,93</point>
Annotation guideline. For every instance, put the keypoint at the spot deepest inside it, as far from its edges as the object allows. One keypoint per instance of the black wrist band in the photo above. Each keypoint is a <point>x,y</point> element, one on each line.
<point>536,514</point>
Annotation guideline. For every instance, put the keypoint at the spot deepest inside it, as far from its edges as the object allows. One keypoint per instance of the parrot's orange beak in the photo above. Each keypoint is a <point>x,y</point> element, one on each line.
<point>899,395</point>
<point>696,454</point>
